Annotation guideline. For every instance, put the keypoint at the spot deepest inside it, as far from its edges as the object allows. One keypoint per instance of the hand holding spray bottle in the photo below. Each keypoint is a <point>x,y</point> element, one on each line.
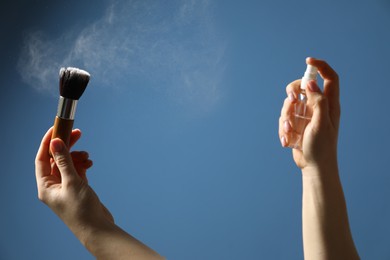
<point>301,114</point>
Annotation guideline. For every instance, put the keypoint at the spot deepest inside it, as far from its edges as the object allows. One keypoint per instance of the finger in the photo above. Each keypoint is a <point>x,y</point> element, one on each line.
<point>42,159</point>
<point>326,71</point>
<point>79,156</point>
<point>293,89</point>
<point>63,160</point>
<point>55,171</point>
<point>82,173</point>
<point>283,136</point>
<point>331,86</point>
<point>285,121</point>
<point>81,163</point>
<point>81,159</point>
<point>287,109</point>
<point>74,137</point>
<point>85,165</point>
<point>319,103</point>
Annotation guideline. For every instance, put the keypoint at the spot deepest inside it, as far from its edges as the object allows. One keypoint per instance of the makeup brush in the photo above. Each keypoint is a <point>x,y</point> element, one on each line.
<point>73,82</point>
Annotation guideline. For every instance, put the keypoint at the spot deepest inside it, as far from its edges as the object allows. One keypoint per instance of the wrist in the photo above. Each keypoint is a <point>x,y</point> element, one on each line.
<point>87,232</point>
<point>325,169</point>
<point>94,237</point>
<point>109,241</point>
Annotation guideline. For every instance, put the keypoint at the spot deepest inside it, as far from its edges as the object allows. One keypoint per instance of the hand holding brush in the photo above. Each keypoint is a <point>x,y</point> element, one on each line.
<point>63,185</point>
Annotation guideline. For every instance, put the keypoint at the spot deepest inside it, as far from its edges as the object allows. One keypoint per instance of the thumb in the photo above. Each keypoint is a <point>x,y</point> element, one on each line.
<point>319,104</point>
<point>62,159</point>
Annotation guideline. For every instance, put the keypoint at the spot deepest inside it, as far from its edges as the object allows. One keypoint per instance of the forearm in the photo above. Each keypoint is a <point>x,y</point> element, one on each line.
<point>326,232</point>
<point>111,242</point>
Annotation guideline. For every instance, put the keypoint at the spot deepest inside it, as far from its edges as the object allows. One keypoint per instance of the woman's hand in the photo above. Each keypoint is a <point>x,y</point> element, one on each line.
<point>63,185</point>
<point>319,144</point>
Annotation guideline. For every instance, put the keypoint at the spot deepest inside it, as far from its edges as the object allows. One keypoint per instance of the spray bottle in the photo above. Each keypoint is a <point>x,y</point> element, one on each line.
<point>302,115</point>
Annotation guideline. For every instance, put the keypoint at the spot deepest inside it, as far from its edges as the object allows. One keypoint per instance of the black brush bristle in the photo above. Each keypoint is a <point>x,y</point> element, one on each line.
<point>73,82</point>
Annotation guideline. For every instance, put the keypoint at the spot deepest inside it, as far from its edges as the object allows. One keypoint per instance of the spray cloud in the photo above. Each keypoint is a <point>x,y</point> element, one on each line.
<point>171,46</point>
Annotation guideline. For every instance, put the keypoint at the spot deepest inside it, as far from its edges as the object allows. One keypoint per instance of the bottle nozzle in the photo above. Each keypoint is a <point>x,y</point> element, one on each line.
<point>310,74</point>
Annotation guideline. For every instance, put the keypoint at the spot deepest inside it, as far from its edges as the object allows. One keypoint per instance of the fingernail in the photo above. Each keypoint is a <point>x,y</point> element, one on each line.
<point>291,96</point>
<point>283,141</point>
<point>286,126</point>
<point>313,86</point>
<point>57,146</point>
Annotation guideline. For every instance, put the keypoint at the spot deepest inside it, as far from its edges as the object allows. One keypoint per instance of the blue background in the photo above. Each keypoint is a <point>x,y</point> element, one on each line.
<point>181,120</point>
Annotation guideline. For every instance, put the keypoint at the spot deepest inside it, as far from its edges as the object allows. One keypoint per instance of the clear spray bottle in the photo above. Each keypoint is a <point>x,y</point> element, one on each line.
<point>301,114</point>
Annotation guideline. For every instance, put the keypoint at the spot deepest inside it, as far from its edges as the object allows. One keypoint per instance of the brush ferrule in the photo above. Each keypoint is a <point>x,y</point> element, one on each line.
<point>66,108</point>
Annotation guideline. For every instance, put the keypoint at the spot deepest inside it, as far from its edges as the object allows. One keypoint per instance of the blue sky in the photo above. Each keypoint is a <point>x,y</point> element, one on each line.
<point>180,118</point>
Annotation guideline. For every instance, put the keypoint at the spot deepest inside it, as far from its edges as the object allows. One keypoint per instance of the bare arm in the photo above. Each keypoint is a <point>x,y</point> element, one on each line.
<point>63,186</point>
<point>326,230</point>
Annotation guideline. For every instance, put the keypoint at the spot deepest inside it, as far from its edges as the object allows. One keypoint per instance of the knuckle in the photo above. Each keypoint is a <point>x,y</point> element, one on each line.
<point>280,124</point>
<point>42,196</point>
<point>290,88</point>
<point>37,161</point>
<point>320,99</point>
<point>286,102</point>
<point>293,86</point>
<point>61,160</point>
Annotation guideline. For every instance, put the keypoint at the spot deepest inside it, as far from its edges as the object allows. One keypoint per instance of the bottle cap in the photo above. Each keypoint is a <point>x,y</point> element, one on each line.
<point>310,74</point>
